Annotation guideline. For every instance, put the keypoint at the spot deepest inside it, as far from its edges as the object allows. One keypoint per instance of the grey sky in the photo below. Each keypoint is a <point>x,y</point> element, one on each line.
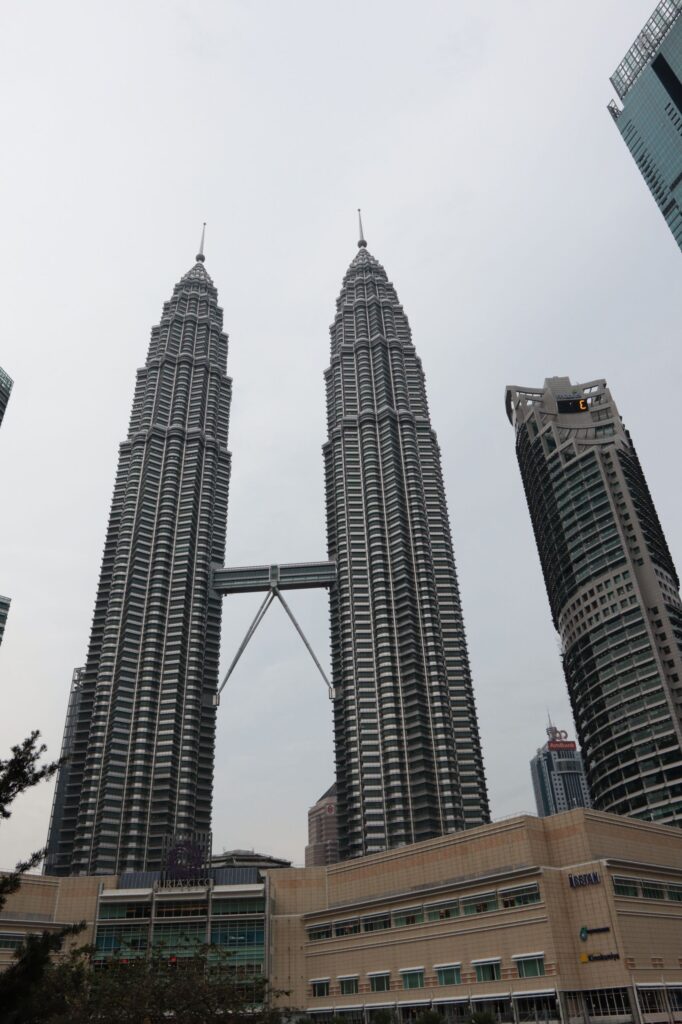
<point>507,211</point>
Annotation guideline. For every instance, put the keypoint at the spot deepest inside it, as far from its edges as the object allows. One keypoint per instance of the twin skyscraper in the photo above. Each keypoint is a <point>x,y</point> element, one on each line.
<point>141,723</point>
<point>140,732</point>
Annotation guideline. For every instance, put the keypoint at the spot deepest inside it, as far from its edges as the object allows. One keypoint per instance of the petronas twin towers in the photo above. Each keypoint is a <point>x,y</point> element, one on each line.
<point>141,726</point>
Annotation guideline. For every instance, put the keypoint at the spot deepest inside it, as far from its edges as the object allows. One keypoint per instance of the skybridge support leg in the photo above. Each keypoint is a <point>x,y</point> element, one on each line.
<point>303,637</point>
<point>269,598</point>
<point>272,593</point>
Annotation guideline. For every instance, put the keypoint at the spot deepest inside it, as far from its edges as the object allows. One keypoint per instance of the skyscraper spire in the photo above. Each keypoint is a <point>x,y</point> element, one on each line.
<point>141,732</point>
<point>200,255</point>
<point>362,244</point>
<point>408,755</point>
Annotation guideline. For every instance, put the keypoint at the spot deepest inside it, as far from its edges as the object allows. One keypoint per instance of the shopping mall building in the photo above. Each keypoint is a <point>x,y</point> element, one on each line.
<point>574,918</point>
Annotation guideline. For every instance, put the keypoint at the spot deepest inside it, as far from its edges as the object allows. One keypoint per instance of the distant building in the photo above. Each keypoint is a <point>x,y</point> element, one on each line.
<point>558,775</point>
<point>4,609</point>
<point>613,592</point>
<point>247,859</point>
<point>55,857</point>
<point>648,84</point>
<point>323,835</point>
<point>5,388</point>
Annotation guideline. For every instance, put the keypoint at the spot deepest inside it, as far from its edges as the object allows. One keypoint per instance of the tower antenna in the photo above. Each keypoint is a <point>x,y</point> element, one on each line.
<point>362,244</point>
<point>200,255</point>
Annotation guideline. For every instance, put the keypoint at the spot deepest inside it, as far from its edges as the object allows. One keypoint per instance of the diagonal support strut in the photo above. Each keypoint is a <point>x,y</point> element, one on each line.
<point>260,615</point>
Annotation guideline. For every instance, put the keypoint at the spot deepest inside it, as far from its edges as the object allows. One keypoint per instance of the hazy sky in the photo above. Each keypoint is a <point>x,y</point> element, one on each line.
<point>506,209</point>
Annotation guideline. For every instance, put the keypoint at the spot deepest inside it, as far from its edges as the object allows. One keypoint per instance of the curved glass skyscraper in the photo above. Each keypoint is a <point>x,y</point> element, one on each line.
<point>408,754</point>
<point>142,718</point>
<point>613,593</point>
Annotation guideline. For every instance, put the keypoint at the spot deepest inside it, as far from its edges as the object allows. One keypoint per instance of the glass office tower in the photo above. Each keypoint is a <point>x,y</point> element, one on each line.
<point>141,725</point>
<point>408,754</point>
<point>648,82</point>
<point>613,593</point>
<point>559,781</point>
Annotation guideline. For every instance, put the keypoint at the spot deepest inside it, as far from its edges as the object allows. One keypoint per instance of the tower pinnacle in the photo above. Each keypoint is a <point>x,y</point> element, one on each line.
<point>362,244</point>
<point>200,255</point>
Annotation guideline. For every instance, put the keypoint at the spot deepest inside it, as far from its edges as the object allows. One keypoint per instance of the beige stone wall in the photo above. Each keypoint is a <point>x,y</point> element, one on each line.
<point>43,903</point>
<point>509,853</point>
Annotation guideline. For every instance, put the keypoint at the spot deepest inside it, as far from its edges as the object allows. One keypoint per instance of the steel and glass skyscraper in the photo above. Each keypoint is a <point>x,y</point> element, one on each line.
<point>613,593</point>
<point>648,82</point>
<point>143,718</point>
<point>408,755</point>
<point>559,781</point>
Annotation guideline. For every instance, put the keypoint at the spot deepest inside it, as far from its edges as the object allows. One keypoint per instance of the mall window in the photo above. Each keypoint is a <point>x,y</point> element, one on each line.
<point>180,909</point>
<point>379,982</point>
<point>348,986</point>
<point>320,987</point>
<point>321,931</point>
<point>442,911</point>
<point>530,966</point>
<point>413,978</point>
<point>403,918</point>
<point>10,941</point>
<point>125,911</point>
<point>449,975</point>
<point>489,970</point>
<point>653,890</point>
<point>651,1000</point>
<point>480,904</point>
<point>520,896</point>
<point>626,886</point>
<point>608,1002</point>
<point>244,940</point>
<point>240,905</point>
<point>129,939</point>
<point>347,927</point>
<point>376,924</point>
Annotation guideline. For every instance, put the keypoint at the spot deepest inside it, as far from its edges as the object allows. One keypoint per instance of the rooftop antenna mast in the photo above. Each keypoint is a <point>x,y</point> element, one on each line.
<point>200,255</point>
<point>362,244</point>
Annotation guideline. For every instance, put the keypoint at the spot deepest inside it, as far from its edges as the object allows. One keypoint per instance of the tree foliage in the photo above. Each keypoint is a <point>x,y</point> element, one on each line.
<point>18,773</point>
<point>198,989</point>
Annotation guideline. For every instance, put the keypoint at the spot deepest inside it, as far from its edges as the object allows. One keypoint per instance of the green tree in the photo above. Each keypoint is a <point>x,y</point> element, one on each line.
<point>198,989</point>
<point>18,773</point>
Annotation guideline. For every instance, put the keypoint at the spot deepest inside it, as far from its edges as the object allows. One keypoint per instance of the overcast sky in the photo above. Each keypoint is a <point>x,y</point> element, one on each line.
<point>506,209</point>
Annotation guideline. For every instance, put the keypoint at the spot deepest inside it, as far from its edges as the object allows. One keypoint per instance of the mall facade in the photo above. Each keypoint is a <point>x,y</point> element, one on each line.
<point>574,918</point>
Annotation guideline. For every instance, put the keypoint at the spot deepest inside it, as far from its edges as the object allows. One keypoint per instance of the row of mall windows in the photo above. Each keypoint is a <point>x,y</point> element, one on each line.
<point>446,974</point>
<point>481,903</point>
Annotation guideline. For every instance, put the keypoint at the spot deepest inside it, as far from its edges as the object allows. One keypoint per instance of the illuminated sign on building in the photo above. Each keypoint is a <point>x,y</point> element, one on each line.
<point>572,405</point>
<point>561,745</point>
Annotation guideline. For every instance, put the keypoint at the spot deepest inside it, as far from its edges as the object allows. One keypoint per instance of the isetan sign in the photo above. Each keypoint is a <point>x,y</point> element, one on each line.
<point>589,878</point>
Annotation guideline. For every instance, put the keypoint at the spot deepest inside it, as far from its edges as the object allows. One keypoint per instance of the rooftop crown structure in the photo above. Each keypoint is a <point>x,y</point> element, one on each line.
<point>408,754</point>
<point>142,729</point>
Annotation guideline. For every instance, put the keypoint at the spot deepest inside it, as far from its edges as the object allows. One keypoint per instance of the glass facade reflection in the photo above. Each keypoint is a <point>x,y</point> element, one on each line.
<point>648,82</point>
